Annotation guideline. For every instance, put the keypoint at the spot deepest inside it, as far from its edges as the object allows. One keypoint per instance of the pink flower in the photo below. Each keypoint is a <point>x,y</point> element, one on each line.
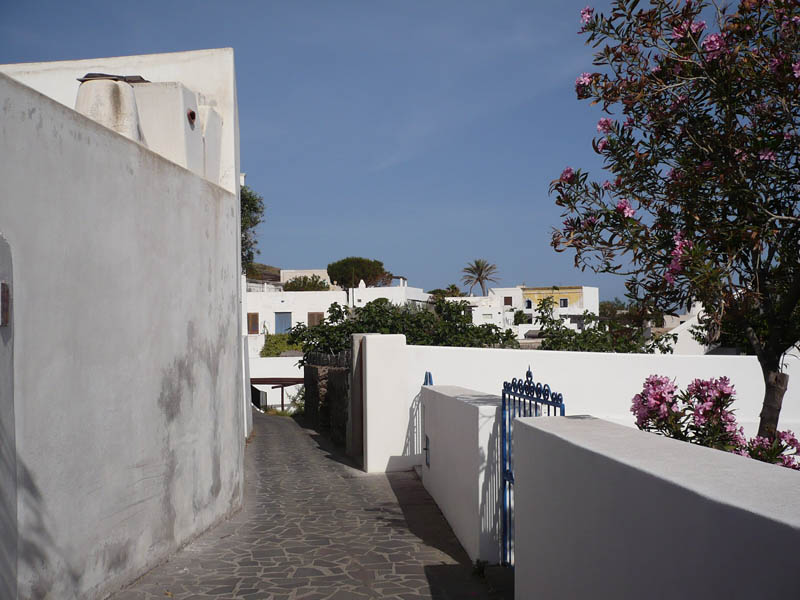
<point>607,185</point>
<point>582,83</point>
<point>601,145</point>
<point>680,31</point>
<point>796,69</point>
<point>714,45</point>
<point>678,254</point>
<point>604,125</point>
<point>624,207</point>
<point>697,26</point>
<point>655,403</point>
<point>586,14</point>
<point>567,175</point>
<point>788,438</point>
<point>766,155</point>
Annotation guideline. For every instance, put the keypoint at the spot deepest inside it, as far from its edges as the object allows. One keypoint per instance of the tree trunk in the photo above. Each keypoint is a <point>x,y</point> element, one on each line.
<point>775,384</point>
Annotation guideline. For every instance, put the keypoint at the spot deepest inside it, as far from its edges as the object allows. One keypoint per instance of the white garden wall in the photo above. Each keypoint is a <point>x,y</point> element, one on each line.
<point>126,409</point>
<point>597,384</point>
<point>604,511</point>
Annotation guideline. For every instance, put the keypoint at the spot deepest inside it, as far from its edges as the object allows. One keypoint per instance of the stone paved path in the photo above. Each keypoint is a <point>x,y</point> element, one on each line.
<point>313,528</point>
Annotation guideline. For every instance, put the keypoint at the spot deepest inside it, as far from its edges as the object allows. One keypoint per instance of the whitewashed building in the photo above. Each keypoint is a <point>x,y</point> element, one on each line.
<point>271,310</point>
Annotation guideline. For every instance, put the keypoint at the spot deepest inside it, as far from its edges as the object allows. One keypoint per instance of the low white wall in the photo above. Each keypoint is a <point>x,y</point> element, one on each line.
<point>255,343</point>
<point>604,511</point>
<point>462,429</point>
<point>598,384</point>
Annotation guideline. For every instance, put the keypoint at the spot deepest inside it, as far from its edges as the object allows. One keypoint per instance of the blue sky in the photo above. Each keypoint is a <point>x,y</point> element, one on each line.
<point>420,133</point>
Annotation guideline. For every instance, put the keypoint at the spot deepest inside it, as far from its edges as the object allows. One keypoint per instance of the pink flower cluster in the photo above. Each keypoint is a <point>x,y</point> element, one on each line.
<point>678,253</point>
<point>582,83</point>
<point>567,175</point>
<point>602,144</point>
<point>714,45</point>
<point>624,207</point>
<point>767,155</point>
<point>703,415</point>
<point>710,400</point>
<point>586,14</point>
<point>796,69</point>
<point>656,402</point>
<point>681,31</point>
<point>605,125</point>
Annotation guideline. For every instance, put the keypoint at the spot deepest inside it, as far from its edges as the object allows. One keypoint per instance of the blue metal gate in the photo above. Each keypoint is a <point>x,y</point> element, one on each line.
<point>521,398</point>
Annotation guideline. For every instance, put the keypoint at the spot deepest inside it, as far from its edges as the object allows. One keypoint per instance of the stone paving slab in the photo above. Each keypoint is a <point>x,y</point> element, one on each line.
<point>314,528</point>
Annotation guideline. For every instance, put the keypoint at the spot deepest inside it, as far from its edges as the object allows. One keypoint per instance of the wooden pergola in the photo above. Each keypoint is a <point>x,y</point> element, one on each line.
<point>277,382</point>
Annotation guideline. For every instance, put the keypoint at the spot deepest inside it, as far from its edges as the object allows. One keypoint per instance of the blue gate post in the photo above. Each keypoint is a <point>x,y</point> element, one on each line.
<point>525,399</point>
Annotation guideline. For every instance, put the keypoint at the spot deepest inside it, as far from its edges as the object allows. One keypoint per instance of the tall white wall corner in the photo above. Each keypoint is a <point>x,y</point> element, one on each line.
<point>388,401</point>
<point>247,406</point>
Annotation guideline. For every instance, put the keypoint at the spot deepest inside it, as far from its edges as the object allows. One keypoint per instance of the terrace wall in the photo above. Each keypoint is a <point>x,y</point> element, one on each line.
<point>598,384</point>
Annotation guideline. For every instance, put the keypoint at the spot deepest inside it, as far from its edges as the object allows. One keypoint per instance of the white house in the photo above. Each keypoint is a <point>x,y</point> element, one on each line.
<point>271,310</point>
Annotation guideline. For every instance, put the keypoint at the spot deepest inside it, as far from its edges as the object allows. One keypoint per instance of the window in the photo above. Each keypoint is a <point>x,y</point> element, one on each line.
<point>252,323</point>
<point>315,318</point>
<point>563,303</point>
<point>283,322</point>
<point>507,301</point>
<point>528,304</point>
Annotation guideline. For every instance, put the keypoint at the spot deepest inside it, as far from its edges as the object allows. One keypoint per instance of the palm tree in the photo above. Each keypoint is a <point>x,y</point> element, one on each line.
<point>452,290</point>
<point>478,272</point>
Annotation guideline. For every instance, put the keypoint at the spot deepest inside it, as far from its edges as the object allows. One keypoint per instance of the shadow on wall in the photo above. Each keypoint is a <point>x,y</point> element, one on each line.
<point>412,446</point>
<point>8,513</point>
<point>39,554</point>
<point>491,499</point>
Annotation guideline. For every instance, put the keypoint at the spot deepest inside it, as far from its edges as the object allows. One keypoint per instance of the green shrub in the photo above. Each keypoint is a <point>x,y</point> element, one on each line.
<point>275,344</point>
<point>441,324</point>
<point>315,283</point>
<point>520,318</point>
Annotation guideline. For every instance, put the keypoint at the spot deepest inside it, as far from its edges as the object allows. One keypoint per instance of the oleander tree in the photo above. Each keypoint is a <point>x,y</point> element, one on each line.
<point>699,139</point>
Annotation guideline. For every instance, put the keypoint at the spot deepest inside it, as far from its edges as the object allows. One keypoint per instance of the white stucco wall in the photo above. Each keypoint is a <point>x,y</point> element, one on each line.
<point>210,73</point>
<point>127,354</point>
<point>604,511</point>
<point>289,274</point>
<point>593,383</point>
<point>397,294</point>
<point>8,446</point>
<point>462,430</point>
